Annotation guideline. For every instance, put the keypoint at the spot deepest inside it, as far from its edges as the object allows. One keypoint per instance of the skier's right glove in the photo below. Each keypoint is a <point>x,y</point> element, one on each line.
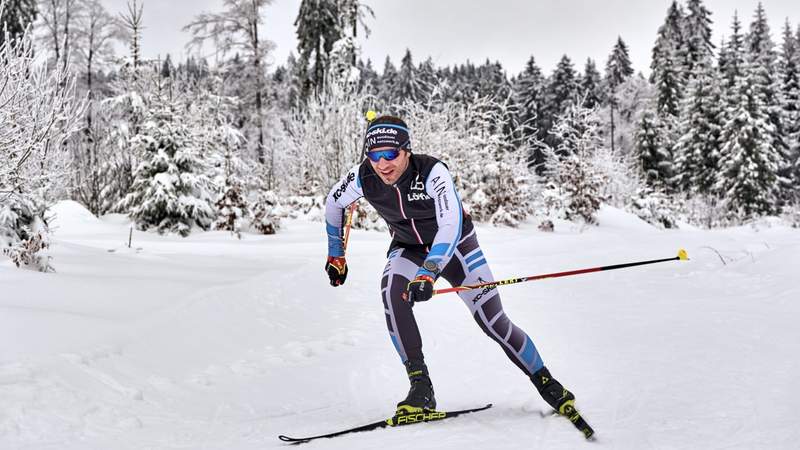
<point>337,270</point>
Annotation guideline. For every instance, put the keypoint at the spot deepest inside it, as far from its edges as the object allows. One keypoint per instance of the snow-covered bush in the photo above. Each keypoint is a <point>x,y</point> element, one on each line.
<point>575,179</point>
<point>23,231</point>
<point>324,139</point>
<point>654,207</point>
<point>264,217</point>
<point>38,112</point>
<point>491,174</point>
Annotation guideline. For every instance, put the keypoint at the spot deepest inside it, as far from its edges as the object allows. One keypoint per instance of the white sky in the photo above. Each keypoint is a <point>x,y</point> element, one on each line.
<point>452,32</point>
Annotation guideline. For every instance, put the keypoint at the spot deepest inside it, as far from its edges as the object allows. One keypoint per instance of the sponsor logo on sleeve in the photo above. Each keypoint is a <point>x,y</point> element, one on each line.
<point>439,186</point>
<point>338,193</point>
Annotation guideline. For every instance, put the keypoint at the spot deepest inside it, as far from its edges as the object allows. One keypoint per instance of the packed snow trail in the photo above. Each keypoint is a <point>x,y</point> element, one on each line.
<point>209,342</point>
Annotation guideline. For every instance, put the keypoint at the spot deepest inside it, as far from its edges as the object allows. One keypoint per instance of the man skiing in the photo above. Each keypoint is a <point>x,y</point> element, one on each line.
<point>432,237</point>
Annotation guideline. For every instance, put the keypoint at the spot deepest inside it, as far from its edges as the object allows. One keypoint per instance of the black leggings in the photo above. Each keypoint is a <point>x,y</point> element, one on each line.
<point>467,266</point>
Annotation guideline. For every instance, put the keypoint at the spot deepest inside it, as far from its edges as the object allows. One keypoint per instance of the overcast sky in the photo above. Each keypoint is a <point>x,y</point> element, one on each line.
<point>451,32</point>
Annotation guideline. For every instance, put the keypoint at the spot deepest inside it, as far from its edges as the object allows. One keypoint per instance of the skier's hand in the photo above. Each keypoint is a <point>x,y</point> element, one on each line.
<point>420,289</point>
<point>337,270</point>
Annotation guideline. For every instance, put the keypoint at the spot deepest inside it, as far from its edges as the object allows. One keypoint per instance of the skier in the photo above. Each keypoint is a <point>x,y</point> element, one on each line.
<point>432,237</point>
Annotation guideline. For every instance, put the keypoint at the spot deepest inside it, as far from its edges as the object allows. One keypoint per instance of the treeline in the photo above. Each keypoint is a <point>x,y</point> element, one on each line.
<point>710,137</point>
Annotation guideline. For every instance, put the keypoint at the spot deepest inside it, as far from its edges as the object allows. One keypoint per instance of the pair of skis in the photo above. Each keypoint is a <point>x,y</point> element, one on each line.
<point>430,416</point>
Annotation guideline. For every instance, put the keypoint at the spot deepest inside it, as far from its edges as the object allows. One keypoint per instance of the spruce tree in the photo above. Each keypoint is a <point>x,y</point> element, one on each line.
<point>618,66</point>
<point>618,70</point>
<point>170,193</point>
<point>591,85</point>
<point>790,88</point>
<point>561,93</point>
<point>731,58</point>
<point>749,163</point>
<point>407,86</point>
<point>318,28</point>
<point>697,150</point>
<point>697,28</point>
<point>388,82</point>
<point>668,61</point>
<point>652,150</point>
<point>529,89</point>
<point>763,59</point>
<point>15,18</point>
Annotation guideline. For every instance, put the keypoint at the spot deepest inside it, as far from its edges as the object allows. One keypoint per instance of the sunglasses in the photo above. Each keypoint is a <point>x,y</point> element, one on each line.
<point>388,154</point>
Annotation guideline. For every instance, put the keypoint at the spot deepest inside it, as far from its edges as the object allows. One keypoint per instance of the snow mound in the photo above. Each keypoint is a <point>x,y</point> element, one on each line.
<point>69,216</point>
<point>611,217</point>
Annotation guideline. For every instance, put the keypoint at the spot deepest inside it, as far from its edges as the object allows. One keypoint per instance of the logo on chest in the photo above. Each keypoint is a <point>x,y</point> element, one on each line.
<point>417,191</point>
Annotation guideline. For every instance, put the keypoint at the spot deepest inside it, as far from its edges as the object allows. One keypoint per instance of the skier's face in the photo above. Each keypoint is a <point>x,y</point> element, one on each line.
<point>390,171</point>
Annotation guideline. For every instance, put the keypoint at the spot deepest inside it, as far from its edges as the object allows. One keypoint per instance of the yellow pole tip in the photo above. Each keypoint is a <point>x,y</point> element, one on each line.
<point>682,255</point>
<point>371,115</point>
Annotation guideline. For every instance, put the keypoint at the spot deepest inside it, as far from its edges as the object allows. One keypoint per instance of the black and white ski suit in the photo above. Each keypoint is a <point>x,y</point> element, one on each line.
<point>427,223</point>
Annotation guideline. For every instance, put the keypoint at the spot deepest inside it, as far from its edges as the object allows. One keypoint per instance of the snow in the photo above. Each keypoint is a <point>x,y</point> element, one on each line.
<point>215,343</point>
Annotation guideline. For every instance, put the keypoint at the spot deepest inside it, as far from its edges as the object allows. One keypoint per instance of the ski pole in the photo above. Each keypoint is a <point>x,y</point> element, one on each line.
<point>682,256</point>
<point>347,224</point>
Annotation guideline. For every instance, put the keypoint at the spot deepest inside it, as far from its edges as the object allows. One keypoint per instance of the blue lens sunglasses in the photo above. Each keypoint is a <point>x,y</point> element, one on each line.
<point>388,154</point>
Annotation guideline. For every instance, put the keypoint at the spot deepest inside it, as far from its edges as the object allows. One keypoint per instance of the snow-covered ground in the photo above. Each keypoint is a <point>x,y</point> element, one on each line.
<point>212,343</point>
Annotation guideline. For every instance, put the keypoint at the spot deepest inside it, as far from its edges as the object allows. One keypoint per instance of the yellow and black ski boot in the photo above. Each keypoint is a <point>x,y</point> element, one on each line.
<point>560,399</point>
<point>420,396</point>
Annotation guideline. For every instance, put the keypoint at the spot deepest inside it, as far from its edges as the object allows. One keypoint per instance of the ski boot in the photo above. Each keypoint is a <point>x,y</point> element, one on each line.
<point>420,396</point>
<point>560,399</point>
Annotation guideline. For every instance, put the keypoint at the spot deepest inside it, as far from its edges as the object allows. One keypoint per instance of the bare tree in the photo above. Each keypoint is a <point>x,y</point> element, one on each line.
<point>132,24</point>
<point>236,29</point>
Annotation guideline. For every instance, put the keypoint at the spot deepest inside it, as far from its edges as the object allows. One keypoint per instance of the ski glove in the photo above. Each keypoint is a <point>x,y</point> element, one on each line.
<point>420,289</point>
<point>337,270</point>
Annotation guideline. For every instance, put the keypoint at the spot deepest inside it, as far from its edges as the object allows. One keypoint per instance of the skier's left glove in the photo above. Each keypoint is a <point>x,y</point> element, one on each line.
<point>420,289</point>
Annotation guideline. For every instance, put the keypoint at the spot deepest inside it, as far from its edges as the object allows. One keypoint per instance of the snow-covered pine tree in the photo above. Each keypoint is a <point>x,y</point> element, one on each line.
<point>170,192</point>
<point>569,168</point>
<point>696,152</point>
<point>15,16</point>
<point>529,91</point>
<point>388,81</point>
<point>369,80</point>
<point>667,66</point>
<point>318,28</point>
<point>731,57</point>
<point>790,87</point>
<point>427,77</point>
<point>407,85</point>
<point>618,65</point>
<point>591,89</point>
<point>618,70</point>
<point>761,53</point>
<point>561,93</point>
<point>697,30</point>
<point>656,160</point>
<point>748,181</point>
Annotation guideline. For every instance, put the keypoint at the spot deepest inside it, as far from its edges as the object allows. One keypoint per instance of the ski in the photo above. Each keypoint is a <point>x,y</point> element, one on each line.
<point>394,421</point>
<point>572,414</point>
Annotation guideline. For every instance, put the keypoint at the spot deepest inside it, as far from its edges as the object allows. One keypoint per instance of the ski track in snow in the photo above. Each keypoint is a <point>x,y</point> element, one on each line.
<point>212,343</point>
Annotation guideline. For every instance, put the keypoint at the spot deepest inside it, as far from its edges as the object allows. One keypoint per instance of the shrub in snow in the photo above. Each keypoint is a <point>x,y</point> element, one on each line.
<point>38,112</point>
<point>169,193</point>
<point>654,207</point>
<point>264,217</point>
<point>23,231</point>
<point>367,218</point>
<point>231,207</point>
<point>575,180</point>
<point>490,171</point>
